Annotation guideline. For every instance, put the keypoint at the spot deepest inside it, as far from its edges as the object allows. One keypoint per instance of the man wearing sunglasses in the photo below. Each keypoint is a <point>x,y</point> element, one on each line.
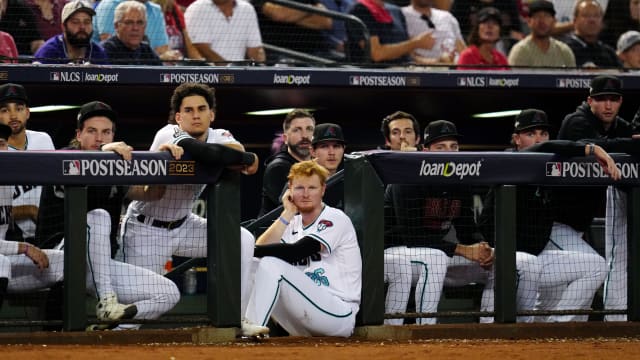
<point>598,119</point>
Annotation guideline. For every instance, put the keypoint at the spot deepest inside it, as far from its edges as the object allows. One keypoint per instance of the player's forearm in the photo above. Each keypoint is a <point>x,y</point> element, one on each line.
<point>21,212</point>
<point>274,233</point>
<point>216,154</point>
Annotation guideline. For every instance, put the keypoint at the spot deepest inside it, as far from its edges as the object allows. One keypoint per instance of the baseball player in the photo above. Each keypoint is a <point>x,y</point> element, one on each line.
<point>159,222</point>
<point>401,132</point>
<point>124,291</point>
<point>14,112</point>
<point>310,272</point>
<point>419,249</point>
<point>569,277</point>
<point>597,118</point>
<point>23,267</point>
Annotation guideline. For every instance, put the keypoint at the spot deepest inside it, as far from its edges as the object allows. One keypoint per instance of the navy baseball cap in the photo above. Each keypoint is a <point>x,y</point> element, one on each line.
<point>605,85</point>
<point>440,129</point>
<point>95,108</point>
<point>541,5</point>
<point>5,131</point>
<point>531,119</point>
<point>327,132</point>
<point>489,13</point>
<point>12,92</point>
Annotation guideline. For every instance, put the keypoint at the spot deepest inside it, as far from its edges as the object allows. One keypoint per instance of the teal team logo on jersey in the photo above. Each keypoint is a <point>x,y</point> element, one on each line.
<point>318,277</point>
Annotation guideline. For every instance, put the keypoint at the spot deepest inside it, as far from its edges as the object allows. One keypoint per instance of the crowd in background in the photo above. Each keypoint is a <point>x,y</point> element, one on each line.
<point>479,34</point>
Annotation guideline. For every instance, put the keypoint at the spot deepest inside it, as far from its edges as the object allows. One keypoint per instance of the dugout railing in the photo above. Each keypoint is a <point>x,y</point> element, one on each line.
<point>223,210</point>
<point>367,173</point>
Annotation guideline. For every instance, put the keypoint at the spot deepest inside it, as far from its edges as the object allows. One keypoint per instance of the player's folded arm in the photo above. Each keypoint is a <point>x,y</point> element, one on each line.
<point>215,154</point>
<point>299,250</point>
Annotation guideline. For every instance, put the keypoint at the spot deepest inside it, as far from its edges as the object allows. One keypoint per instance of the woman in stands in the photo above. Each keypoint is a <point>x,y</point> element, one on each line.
<point>482,43</point>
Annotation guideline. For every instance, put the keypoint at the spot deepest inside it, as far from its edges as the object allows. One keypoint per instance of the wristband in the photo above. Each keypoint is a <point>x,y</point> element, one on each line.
<point>284,221</point>
<point>592,149</point>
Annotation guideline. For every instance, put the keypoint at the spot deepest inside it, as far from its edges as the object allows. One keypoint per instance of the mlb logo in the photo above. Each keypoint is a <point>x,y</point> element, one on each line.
<point>561,83</point>
<point>462,81</point>
<point>54,76</point>
<point>71,167</point>
<point>554,169</point>
<point>354,80</point>
<point>165,78</point>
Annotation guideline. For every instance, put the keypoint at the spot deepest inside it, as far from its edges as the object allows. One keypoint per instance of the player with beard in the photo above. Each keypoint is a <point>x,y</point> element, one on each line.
<point>298,129</point>
<point>74,45</point>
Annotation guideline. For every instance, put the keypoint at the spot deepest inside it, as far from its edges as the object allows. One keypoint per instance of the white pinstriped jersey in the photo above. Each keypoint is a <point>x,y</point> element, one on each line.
<point>6,247</point>
<point>30,194</point>
<point>178,199</point>
<point>339,266</point>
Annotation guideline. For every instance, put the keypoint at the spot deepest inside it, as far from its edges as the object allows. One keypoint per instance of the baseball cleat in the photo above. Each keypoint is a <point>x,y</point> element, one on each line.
<point>109,308</point>
<point>253,330</point>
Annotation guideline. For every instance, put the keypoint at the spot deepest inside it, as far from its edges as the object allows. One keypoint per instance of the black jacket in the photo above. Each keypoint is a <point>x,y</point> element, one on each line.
<point>579,205</point>
<point>275,177</point>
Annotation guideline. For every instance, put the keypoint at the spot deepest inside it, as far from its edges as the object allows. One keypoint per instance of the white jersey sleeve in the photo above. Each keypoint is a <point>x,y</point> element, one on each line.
<point>6,247</point>
<point>172,134</point>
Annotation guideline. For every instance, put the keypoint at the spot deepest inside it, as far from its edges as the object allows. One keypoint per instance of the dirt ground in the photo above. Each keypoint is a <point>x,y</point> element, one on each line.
<point>339,349</point>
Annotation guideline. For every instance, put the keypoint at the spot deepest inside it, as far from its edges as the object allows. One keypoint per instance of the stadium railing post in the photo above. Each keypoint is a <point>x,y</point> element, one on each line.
<point>633,260</point>
<point>75,240</point>
<point>364,204</point>
<point>505,252</point>
<point>223,251</point>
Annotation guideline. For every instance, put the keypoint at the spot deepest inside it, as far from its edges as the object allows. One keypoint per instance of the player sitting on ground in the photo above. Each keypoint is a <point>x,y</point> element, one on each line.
<point>310,273</point>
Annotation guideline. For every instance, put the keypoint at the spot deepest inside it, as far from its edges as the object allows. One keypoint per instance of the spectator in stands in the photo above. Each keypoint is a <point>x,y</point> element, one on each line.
<point>225,30</point>
<point>421,16</point>
<point>74,45</point>
<point>8,50</point>
<point>177,33</point>
<point>629,50</point>
<point>389,41</point>
<point>417,250</point>
<point>337,35</point>
<point>128,45</point>
<point>17,19</point>
<point>564,18</point>
<point>298,128</point>
<point>620,16</point>
<point>588,50</point>
<point>401,132</point>
<point>466,11</point>
<point>293,29</point>
<point>482,43</point>
<point>104,25</point>
<point>539,49</point>
<point>47,15</point>
<point>14,112</point>
<point>597,118</point>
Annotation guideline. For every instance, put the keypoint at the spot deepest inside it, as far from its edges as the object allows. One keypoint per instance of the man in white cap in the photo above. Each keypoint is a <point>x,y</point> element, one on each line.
<point>628,50</point>
<point>74,44</point>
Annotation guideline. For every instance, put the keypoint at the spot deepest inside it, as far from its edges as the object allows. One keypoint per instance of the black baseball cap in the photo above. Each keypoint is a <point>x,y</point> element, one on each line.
<point>5,131</point>
<point>605,85</point>
<point>531,119</point>
<point>541,5</point>
<point>489,13</point>
<point>12,92</point>
<point>327,132</point>
<point>95,108</point>
<point>440,129</point>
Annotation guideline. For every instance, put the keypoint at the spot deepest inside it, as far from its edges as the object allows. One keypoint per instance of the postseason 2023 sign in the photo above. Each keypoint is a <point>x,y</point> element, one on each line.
<point>487,168</point>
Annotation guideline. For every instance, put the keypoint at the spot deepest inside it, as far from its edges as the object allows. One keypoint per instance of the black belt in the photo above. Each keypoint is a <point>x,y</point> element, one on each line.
<point>169,225</point>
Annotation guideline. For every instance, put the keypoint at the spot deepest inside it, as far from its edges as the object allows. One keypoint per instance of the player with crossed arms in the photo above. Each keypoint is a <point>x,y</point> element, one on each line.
<point>159,222</point>
<point>310,273</point>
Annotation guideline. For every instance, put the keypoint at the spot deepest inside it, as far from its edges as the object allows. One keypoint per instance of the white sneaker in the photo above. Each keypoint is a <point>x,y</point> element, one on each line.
<point>250,330</point>
<point>109,308</point>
